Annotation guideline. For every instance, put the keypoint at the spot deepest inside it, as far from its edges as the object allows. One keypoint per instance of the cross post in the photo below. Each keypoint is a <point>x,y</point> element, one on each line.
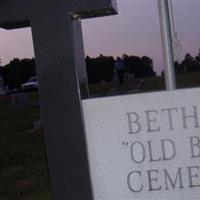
<point>60,101</point>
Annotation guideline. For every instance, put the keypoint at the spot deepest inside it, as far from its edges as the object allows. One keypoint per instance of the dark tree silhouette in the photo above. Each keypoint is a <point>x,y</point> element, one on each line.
<point>189,64</point>
<point>100,68</point>
<point>18,72</point>
<point>140,67</point>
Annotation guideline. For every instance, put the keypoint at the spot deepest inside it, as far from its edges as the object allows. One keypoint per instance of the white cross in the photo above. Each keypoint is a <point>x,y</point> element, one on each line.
<point>18,13</point>
<point>41,14</point>
<point>53,37</point>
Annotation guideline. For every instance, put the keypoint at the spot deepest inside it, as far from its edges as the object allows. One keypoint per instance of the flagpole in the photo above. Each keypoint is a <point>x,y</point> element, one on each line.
<point>171,21</point>
<point>164,17</point>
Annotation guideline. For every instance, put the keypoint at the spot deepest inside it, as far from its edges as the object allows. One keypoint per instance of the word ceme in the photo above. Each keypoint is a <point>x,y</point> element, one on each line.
<point>152,118</point>
<point>162,179</point>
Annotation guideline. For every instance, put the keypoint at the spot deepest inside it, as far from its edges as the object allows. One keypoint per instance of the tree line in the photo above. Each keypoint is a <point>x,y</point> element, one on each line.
<point>100,68</point>
<point>188,64</point>
<point>17,72</point>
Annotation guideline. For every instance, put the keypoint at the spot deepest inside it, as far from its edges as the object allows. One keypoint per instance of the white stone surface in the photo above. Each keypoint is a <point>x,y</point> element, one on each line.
<point>168,118</point>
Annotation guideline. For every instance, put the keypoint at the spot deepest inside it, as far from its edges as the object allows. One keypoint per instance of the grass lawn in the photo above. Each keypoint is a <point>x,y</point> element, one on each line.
<point>185,80</point>
<point>23,168</point>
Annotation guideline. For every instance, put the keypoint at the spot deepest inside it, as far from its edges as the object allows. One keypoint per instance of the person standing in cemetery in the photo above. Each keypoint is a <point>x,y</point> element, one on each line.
<point>120,69</point>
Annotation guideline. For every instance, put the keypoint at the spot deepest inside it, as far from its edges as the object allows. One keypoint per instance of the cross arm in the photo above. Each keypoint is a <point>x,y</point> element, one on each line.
<point>15,24</point>
<point>14,14</point>
<point>95,8</point>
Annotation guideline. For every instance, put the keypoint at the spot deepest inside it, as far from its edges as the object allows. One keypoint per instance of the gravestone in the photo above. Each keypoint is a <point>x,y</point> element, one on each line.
<point>144,146</point>
<point>52,29</point>
<point>21,98</point>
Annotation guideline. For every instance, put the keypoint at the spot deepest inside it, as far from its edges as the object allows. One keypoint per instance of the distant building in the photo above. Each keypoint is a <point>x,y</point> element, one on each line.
<point>2,89</point>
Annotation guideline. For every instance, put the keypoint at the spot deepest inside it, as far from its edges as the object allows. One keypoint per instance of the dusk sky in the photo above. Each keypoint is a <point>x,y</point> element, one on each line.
<point>134,31</point>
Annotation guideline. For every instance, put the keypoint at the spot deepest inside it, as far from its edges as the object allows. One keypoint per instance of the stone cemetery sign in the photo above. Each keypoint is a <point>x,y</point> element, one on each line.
<point>145,146</point>
<point>58,44</point>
